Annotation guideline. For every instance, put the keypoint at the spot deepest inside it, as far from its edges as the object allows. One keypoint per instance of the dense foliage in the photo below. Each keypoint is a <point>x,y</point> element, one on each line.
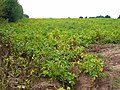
<point>50,47</point>
<point>1,8</point>
<point>25,16</point>
<point>11,10</point>
<point>107,16</point>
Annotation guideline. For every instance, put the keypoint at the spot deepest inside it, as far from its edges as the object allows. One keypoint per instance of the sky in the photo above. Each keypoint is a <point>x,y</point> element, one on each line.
<point>70,8</point>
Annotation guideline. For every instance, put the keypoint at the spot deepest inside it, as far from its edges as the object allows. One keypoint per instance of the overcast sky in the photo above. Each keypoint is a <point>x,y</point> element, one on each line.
<point>70,8</point>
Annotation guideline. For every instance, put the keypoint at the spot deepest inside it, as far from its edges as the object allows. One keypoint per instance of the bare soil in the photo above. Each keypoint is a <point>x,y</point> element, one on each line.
<point>111,56</point>
<point>44,83</point>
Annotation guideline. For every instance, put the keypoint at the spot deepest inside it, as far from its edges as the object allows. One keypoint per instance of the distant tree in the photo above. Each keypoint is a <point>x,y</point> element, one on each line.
<point>119,17</point>
<point>13,10</point>
<point>69,17</point>
<point>26,16</point>
<point>50,18</point>
<point>80,17</point>
<point>100,16</point>
<point>91,17</point>
<point>86,17</point>
<point>107,16</point>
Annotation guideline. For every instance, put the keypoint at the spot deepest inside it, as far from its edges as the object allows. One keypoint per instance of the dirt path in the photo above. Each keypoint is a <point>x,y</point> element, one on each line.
<point>111,55</point>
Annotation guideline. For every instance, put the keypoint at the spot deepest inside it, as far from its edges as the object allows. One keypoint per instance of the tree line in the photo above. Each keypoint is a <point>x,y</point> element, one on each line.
<point>11,10</point>
<point>100,16</point>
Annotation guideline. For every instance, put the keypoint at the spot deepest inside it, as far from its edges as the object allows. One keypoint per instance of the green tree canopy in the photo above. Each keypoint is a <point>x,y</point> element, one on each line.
<point>13,10</point>
<point>119,17</point>
<point>2,8</point>
<point>107,16</point>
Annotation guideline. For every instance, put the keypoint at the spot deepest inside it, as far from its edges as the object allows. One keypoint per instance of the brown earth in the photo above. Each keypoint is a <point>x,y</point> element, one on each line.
<point>111,56</point>
<point>44,83</point>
